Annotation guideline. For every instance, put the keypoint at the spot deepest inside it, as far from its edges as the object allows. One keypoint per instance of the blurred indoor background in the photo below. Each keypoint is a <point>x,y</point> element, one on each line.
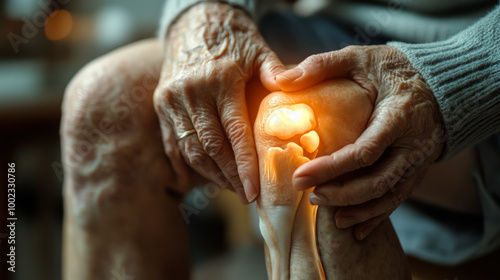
<point>43,44</point>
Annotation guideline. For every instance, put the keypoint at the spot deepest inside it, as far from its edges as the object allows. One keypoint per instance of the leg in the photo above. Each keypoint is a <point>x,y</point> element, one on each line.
<point>379,256</point>
<point>451,185</point>
<point>287,219</point>
<point>120,217</point>
<point>458,219</point>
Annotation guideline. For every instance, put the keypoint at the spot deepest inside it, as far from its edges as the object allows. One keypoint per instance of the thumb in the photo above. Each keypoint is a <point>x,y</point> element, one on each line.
<point>315,69</point>
<point>270,66</point>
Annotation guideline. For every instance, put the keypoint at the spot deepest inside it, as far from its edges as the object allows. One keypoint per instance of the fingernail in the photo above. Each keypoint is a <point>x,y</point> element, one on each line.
<point>250,190</point>
<point>364,232</point>
<point>241,195</point>
<point>316,199</point>
<point>301,183</point>
<point>345,222</point>
<point>292,74</point>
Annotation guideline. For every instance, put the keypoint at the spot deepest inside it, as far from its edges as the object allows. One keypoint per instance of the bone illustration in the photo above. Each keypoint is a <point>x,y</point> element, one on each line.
<point>301,240</point>
<point>284,123</point>
<point>310,141</point>
<point>278,206</point>
<point>287,220</point>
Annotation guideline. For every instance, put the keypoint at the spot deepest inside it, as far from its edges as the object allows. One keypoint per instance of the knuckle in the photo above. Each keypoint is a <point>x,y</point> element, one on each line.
<point>212,145</point>
<point>237,132</point>
<point>331,166</point>
<point>379,187</point>
<point>212,140</point>
<point>350,52</point>
<point>350,49</point>
<point>316,60</point>
<point>165,96</point>
<point>365,156</point>
<point>196,157</point>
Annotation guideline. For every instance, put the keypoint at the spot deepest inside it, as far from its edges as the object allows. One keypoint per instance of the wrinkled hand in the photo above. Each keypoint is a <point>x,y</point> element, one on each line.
<point>212,51</point>
<point>374,175</point>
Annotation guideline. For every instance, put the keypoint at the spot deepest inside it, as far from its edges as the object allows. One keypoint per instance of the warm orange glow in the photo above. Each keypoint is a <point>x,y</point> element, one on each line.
<point>58,25</point>
<point>284,123</point>
<point>310,141</point>
<point>279,167</point>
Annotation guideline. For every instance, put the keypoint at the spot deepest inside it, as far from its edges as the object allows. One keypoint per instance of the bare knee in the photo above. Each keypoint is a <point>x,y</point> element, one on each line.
<point>110,137</point>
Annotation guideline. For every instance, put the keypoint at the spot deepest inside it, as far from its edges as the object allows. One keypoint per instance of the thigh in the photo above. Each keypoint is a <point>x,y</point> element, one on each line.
<point>120,217</point>
<point>451,184</point>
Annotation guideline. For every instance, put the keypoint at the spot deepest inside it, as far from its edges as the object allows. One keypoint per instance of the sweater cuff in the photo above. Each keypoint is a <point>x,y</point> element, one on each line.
<point>174,8</point>
<point>464,74</point>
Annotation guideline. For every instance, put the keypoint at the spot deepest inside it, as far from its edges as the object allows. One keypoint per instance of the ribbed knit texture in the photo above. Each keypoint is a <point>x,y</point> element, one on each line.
<point>464,74</point>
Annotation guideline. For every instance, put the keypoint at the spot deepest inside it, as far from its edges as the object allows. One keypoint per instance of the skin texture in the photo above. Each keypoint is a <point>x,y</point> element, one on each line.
<point>403,138</point>
<point>378,256</point>
<point>122,195</point>
<point>288,221</point>
<point>212,51</point>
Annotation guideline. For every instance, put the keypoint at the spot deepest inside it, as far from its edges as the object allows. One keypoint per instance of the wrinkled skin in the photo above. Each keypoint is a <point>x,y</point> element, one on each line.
<point>212,51</point>
<point>403,138</point>
<point>295,237</point>
<point>122,194</point>
<point>120,191</point>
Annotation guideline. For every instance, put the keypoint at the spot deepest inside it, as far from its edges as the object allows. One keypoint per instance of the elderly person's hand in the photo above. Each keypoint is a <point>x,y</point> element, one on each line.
<point>212,51</point>
<point>404,136</point>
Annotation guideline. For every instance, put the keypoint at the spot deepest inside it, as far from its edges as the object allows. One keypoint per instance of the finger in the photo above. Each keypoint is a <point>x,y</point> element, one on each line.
<point>363,230</point>
<point>270,66</point>
<point>170,144</point>
<point>351,215</point>
<point>196,157</point>
<point>317,68</point>
<point>374,183</point>
<point>193,153</point>
<point>173,153</point>
<point>235,121</point>
<point>172,112</point>
<point>213,140</point>
<point>364,152</point>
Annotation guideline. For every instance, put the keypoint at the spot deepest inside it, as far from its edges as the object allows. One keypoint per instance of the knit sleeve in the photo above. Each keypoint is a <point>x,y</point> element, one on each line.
<point>173,8</point>
<point>464,74</point>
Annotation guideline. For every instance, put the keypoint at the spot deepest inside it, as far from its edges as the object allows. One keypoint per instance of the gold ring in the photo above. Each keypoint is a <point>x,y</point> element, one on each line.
<point>186,134</point>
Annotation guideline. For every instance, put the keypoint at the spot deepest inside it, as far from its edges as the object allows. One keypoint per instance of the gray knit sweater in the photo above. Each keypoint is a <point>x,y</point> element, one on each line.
<point>463,71</point>
<point>464,74</point>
